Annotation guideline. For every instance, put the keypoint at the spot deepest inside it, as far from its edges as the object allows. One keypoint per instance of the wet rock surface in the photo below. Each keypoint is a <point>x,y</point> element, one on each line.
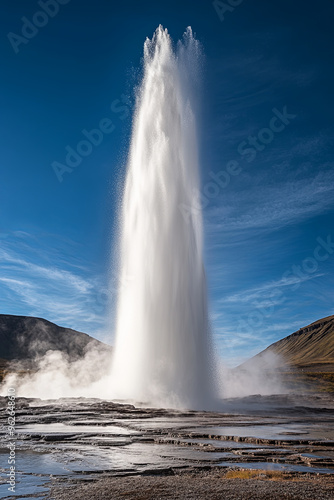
<point>94,444</point>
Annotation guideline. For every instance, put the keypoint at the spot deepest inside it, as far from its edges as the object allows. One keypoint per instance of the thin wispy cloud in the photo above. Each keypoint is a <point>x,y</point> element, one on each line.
<point>52,274</point>
<point>272,207</point>
<point>263,290</point>
<point>53,292</point>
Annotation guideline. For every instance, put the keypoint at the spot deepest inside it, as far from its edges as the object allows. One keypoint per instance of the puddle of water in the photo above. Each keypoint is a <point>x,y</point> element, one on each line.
<point>73,429</point>
<point>158,456</point>
<point>258,431</point>
<point>106,440</point>
<point>311,455</point>
<point>25,485</point>
<point>94,422</point>
<point>87,458</point>
<point>27,465</point>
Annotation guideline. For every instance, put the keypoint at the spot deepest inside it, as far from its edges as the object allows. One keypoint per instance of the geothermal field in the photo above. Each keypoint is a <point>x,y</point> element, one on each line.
<point>256,447</point>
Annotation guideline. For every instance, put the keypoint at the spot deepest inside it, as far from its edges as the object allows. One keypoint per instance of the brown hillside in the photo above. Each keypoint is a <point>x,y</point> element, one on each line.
<point>310,347</point>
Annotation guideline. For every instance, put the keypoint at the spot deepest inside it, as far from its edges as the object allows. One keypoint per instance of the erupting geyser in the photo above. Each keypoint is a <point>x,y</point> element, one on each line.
<point>163,352</point>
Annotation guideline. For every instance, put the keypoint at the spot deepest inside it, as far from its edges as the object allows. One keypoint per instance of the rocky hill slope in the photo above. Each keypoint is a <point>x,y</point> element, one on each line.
<point>310,348</point>
<point>24,338</point>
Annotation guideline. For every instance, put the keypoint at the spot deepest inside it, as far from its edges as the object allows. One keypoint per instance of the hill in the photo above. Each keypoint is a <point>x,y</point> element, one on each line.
<point>304,359</point>
<point>24,338</point>
<point>310,348</point>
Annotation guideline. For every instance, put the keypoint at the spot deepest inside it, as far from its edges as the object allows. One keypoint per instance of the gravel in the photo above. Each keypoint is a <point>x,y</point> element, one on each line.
<point>210,485</point>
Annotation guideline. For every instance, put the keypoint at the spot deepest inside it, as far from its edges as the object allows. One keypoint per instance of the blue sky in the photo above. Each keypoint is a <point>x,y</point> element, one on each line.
<point>267,107</point>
